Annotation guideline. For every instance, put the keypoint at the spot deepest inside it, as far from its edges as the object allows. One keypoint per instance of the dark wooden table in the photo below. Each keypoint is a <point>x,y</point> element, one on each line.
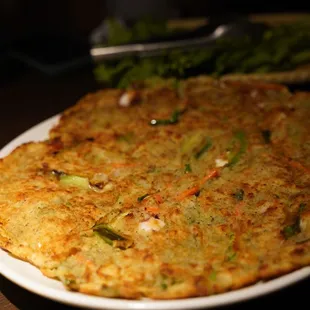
<point>29,98</point>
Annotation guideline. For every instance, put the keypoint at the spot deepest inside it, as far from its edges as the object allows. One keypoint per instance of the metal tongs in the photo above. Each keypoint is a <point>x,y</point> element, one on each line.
<point>203,37</point>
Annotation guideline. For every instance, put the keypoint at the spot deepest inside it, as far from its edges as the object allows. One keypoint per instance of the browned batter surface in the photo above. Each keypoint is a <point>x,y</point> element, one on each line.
<point>190,190</point>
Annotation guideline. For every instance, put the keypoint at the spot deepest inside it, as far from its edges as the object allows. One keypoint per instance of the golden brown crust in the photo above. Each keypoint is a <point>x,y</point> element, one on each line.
<point>213,198</point>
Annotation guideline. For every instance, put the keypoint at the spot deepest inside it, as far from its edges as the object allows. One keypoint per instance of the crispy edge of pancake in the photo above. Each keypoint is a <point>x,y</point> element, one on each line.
<point>296,76</point>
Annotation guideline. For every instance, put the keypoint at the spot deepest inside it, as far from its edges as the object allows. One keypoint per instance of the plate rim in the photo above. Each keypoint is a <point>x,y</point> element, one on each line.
<point>38,133</point>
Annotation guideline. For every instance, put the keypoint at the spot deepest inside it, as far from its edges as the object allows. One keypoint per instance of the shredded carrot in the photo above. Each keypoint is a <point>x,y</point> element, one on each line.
<point>188,192</point>
<point>158,198</point>
<point>298,165</point>
<point>194,190</point>
<point>214,173</point>
<point>152,209</point>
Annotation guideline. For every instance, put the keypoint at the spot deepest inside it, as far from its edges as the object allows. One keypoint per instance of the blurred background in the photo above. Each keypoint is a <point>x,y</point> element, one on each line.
<point>58,31</point>
<point>76,18</point>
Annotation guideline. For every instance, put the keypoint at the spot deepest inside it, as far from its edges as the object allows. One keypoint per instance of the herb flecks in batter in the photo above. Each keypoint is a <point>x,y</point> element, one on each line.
<point>241,138</point>
<point>294,229</point>
<point>204,148</point>
<point>174,119</point>
<point>187,168</point>
<point>212,275</point>
<point>230,253</point>
<point>291,230</point>
<point>239,194</point>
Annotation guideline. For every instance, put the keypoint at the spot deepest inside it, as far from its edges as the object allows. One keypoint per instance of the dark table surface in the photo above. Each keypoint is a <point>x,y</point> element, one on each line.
<point>30,97</point>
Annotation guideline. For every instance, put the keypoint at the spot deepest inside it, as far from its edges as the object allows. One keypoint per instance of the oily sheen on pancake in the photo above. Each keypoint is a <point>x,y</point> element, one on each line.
<point>167,191</point>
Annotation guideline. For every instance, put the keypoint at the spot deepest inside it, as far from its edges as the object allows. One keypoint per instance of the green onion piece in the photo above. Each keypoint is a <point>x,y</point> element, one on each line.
<point>187,168</point>
<point>212,275</point>
<point>292,230</point>
<point>204,149</point>
<point>231,256</point>
<point>266,135</point>
<point>240,136</point>
<point>107,234</point>
<point>142,197</point>
<point>175,117</point>
<point>239,194</point>
<point>230,253</point>
<point>74,180</point>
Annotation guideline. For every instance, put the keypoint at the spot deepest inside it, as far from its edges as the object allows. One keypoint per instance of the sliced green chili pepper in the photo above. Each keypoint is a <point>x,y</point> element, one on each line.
<point>142,197</point>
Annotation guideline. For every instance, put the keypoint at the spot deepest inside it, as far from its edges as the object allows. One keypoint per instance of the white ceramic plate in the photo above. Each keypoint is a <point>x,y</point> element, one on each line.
<point>31,278</point>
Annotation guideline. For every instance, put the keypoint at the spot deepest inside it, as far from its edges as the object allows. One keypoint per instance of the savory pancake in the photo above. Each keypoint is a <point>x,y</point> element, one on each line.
<point>172,191</point>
